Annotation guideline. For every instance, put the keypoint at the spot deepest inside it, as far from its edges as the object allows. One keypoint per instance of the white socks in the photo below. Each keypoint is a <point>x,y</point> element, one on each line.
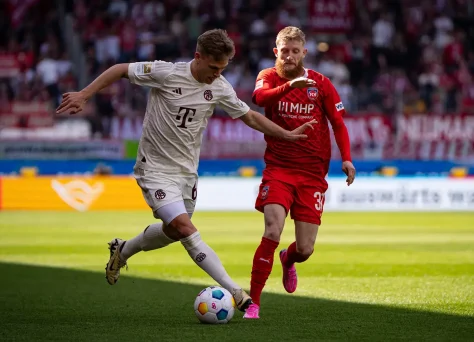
<point>151,238</point>
<point>207,259</point>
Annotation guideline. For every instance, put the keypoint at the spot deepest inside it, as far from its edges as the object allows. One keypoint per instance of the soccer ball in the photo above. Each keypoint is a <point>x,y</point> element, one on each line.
<point>214,305</point>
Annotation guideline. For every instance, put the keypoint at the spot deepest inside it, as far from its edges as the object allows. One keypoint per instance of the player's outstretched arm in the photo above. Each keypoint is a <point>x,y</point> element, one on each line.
<point>260,123</point>
<point>74,102</point>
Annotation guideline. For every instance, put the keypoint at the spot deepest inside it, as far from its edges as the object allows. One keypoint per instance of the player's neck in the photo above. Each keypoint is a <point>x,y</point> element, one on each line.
<point>193,70</point>
<point>301,74</point>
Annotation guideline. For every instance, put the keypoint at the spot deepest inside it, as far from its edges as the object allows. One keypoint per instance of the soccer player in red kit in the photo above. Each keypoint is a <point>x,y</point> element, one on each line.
<point>294,177</point>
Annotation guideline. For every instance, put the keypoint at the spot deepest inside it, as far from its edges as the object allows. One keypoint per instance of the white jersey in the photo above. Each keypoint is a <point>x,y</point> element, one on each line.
<point>177,113</point>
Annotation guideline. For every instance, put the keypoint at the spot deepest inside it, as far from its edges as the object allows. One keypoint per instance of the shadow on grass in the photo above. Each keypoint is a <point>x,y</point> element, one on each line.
<point>43,303</point>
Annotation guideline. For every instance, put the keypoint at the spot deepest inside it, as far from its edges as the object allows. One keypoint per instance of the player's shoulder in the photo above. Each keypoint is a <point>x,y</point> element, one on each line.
<point>268,72</point>
<point>317,76</point>
<point>322,80</point>
<point>222,86</point>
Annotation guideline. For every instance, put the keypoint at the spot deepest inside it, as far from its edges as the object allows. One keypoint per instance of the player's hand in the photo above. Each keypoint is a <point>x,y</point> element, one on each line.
<point>350,172</point>
<point>297,133</point>
<point>72,103</point>
<point>302,82</point>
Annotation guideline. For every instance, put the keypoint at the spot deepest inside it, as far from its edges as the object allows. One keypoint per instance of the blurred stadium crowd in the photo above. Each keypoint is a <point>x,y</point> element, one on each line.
<point>394,56</point>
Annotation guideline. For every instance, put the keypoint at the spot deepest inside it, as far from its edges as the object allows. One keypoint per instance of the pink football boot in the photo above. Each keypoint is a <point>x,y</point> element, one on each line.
<point>252,311</point>
<point>290,279</point>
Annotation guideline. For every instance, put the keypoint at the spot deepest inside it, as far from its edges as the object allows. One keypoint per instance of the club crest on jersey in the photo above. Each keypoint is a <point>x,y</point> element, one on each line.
<point>339,106</point>
<point>160,194</point>
<point>208,95</point>
<point>312,93</point>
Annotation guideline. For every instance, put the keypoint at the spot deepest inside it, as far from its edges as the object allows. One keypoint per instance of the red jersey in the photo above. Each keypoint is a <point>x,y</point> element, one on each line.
<point>290,108</point>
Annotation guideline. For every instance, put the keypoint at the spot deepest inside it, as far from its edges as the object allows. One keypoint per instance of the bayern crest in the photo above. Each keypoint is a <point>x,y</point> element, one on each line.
<point>312,93</point>
<point>208,95</point>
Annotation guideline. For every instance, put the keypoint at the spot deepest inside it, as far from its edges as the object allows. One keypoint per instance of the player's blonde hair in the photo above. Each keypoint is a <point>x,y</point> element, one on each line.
<point>290,33</point>
<point>216,43</point>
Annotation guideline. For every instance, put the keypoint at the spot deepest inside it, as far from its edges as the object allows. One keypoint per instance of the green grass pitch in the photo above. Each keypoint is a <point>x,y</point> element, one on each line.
<point>373,276</point>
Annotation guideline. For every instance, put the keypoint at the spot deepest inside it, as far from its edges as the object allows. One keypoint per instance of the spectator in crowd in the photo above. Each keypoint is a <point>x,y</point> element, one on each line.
<point>402,55</point>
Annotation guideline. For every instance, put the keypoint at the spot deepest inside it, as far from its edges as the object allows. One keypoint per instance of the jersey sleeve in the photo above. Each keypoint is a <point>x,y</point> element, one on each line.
<point>334,110</point>
<point>149,74</point>
<point>266,93</point>
<point>231,103</point>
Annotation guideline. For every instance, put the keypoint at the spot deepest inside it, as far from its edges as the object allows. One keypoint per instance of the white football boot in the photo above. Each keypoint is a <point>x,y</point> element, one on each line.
<point>112,269</point>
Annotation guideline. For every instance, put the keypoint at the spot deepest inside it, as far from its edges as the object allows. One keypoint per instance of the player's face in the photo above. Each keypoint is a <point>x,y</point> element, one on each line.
<point>208,68</point>
<point>289,58</point>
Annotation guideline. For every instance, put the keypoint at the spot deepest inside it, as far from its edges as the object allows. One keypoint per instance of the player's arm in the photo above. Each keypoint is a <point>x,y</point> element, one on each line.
<point>236,108</point>
<point>74,101</point>
<point>148,74</point>
<point>260,123</point>
<point>334,110</point>
<point>266,94</point>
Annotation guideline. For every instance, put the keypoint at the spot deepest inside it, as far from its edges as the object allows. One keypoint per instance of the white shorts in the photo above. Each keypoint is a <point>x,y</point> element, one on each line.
<point>161,190</point>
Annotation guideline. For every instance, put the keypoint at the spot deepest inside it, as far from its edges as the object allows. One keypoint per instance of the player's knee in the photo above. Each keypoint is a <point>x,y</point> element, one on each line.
<point>180,227</point>
<point>305,251</point>
<point>272,230</point>
<point>272,235</point>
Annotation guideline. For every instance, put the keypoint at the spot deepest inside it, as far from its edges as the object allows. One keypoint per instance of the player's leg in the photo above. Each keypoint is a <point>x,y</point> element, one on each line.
<point>298,251</point>
<point>154,237</point>
<point>181,228</point>
<point>161,193</point>
<point>274,199</point>
<point>205,257</point>
<point>306,211</point>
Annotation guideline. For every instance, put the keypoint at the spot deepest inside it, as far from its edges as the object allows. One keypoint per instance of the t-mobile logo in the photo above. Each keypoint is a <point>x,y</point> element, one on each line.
<point>185,114</point>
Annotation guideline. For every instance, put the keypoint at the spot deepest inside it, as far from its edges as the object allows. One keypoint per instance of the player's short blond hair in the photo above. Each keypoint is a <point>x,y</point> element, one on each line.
<point>216,43</point>
<point>290,33</point>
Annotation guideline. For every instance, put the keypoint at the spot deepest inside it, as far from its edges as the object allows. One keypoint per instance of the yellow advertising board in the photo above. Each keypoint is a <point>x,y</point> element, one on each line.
<point>71,193</point>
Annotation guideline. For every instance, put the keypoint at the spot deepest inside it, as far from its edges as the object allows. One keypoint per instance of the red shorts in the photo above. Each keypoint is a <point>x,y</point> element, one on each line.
<point>300,193</point>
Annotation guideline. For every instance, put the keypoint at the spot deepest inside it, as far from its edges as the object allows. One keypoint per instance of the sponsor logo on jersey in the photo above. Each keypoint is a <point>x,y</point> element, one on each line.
<point>258,85</point>
<point>208,95</point>
<point>312,93</point>
<point>339,106</point>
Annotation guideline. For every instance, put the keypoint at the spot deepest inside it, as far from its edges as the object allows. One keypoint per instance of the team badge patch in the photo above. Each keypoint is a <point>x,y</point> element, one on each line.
<point>339,106</point>
<point>264,192</point>
<point>208,95</point>
<point>312,93</point>
<point>160,194</point>
<point>259,84</point>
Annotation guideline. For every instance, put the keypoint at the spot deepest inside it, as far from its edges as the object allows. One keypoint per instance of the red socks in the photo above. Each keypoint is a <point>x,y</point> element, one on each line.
<point>262,267</point>
<point>293,256</point>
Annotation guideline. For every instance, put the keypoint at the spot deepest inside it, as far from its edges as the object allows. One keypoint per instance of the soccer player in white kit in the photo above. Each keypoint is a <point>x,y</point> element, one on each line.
<point>181,101</point>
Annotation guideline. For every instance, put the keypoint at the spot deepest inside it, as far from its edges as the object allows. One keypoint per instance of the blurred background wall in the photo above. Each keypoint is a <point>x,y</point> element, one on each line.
<point>404,70</point>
